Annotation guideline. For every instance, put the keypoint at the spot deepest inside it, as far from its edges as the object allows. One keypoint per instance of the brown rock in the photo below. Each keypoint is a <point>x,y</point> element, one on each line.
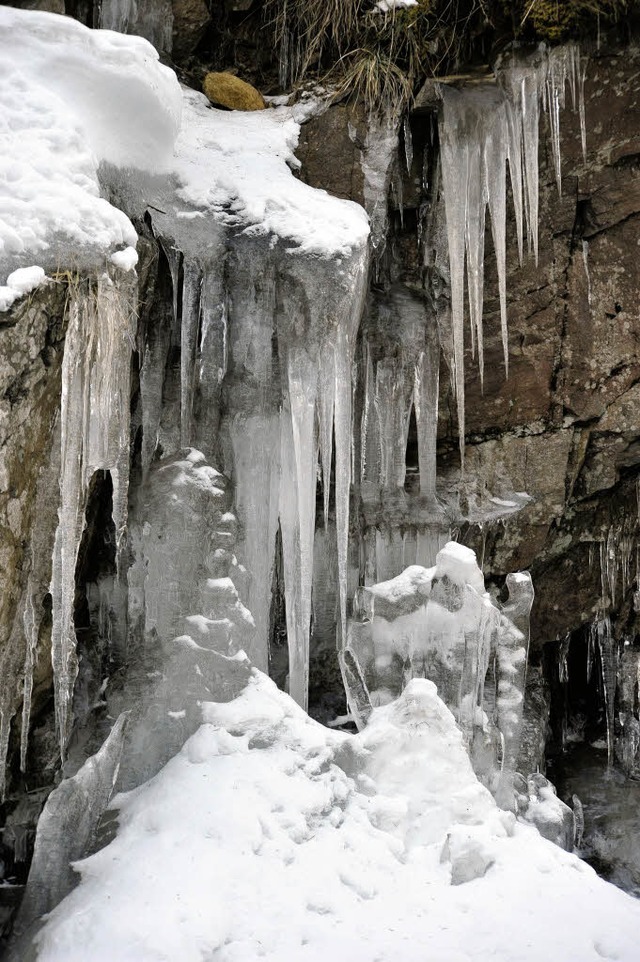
<point>225,90</point>
<point>190,20</point>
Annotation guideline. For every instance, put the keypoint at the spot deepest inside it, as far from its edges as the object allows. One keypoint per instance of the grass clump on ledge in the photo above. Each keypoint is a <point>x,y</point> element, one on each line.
<point>380,53</point>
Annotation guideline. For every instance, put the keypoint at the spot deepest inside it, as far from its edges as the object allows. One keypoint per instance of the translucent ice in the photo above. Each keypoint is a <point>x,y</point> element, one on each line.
<point>95,435</point>
<point>480,131</point>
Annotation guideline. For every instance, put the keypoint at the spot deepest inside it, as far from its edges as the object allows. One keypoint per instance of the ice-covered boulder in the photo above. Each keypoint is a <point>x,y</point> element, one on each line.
<point>440,623</point>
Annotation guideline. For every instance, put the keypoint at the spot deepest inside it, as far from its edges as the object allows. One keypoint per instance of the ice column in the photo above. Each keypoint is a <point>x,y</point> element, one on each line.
<point>512,656</point>
<point>284,410</point>
<point>94,435</point>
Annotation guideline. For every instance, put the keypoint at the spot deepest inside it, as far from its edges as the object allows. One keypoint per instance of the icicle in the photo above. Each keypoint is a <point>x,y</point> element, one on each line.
<point>212,356</point>
<point>495,179</point>
<point>191,301</point>
<point>554,98</point>
<point>174,259</point>
<point>369,445</point>
<point>256,442</point>
<point>297,513</point>
<point>408,143</point>
<point>585,261</point>
<point>474,241</point>
<point>344,355</point>
<point>454,149</point>
<point>31,639</point>
<point>563,664</point>
<point>378,157</point>
<point>326,400</point>
<point>5,731</point>
<point>425,399</point>
<point>590,654</point>
<point>514,132</point>
<point>582,72</point>
<point>609,667</point>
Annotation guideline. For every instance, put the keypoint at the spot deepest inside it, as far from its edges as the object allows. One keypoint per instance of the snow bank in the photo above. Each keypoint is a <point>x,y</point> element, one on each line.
<point>236,165</point>
<point>71,98</point>
<point>19,283</point>
<point>270,837</point>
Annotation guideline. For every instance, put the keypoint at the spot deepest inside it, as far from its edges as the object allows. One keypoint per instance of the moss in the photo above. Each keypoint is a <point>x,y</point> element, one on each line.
<point>226,90</point>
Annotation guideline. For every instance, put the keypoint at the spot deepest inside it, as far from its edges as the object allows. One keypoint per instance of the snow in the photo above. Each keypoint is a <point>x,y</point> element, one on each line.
<point>386,6</point>
<point>19,283</point>
<point>271,837</point>
<point>126,260</point>
<point>236,165</point>
<point>70,99</point>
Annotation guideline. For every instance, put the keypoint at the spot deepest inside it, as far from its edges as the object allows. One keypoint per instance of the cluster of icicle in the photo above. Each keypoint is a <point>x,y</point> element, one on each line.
<point>481,131</point>
<point>276,448</point>
<point>94,416</point>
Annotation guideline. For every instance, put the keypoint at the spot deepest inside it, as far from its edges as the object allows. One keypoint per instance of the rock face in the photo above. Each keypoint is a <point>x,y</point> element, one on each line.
<point>225,90</point>
<point>190,20</point>
<point>32,339</point>
<point>565,425</point>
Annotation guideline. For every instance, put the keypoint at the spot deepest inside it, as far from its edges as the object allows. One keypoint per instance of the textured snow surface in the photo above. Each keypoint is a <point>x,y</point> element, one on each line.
<point>19,283</point>
<point>237,164</point>
<point>71,98</point>
<point>270,837</point>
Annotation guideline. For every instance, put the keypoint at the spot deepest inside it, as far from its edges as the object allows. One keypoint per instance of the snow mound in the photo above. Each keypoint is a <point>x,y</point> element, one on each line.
<point>238,165</point>
<point>270,837</point>
<point>70,99</point>
<point>19,283</point>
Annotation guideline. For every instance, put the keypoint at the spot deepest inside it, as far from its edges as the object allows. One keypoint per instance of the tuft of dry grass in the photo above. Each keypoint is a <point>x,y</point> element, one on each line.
<point>382,58</point>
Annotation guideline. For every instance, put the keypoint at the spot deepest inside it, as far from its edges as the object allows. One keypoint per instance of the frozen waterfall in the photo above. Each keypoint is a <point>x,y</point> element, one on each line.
<point>94,435</point>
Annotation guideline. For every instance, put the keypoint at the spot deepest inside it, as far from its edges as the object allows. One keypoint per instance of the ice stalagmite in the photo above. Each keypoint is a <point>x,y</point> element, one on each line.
<point>94,436</point>
<point>481,130</point>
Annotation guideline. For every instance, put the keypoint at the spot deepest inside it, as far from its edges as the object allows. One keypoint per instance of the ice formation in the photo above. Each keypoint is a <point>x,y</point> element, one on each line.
<point>299,276</point>
<point>94,420</point>
<point>480,131</point>
<point>67,827</point>
<point>439,623</point>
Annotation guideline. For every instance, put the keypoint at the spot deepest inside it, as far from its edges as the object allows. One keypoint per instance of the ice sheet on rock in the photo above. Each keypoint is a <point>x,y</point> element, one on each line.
<point>70,98</point>
<point>144,18</point>
<point>67,826</point>
<point>95,416</point>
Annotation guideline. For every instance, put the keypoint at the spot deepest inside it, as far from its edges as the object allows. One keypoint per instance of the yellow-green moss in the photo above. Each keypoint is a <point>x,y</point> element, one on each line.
<point>226,90</point>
